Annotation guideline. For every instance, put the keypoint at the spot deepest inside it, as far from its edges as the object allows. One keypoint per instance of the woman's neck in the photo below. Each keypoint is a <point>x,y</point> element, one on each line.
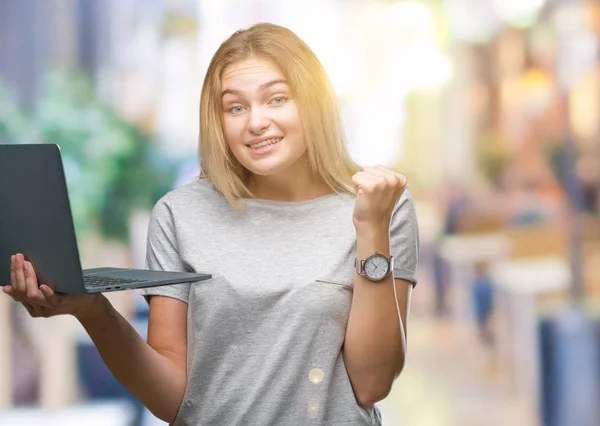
<point>289,186</point>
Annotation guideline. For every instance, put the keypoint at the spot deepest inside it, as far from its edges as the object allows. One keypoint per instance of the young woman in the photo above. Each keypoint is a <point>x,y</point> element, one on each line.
<point>313,260</point>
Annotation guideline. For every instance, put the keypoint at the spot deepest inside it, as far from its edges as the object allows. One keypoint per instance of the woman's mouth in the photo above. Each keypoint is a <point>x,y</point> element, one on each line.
<point>265,143</point>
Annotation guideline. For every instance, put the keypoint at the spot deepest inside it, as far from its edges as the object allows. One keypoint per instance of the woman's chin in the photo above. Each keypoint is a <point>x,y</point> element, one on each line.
<point>266,167</point>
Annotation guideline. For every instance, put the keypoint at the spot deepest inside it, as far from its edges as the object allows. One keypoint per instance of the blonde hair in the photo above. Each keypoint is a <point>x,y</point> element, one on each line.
<point>313,93</point>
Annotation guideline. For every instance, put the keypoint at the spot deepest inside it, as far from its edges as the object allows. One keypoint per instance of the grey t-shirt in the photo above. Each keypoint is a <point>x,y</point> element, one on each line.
<point>265,334</point>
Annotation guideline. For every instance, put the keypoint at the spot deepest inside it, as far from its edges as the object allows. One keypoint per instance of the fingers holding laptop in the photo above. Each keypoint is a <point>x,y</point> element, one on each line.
<point>24,286</point>
<point>40,301</point>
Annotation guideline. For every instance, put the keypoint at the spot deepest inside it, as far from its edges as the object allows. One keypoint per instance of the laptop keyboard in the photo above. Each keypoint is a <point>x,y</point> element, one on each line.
<point>100,281</point>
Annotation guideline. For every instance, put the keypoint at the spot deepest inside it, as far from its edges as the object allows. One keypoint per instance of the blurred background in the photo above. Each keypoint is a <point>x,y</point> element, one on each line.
<point>490,107</point>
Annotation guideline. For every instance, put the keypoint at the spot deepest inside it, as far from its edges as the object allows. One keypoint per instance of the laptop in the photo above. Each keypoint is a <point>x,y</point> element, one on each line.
<point>36,220</point>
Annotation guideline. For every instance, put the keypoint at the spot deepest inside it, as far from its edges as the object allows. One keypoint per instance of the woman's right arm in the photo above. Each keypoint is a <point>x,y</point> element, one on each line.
<point>153,372</point>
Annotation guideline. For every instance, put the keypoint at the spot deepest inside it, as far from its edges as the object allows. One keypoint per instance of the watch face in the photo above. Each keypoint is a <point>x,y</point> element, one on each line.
<point>376,267</point>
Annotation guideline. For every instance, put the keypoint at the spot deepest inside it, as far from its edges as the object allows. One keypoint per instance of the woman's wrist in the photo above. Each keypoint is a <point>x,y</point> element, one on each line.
<point>99,307</point>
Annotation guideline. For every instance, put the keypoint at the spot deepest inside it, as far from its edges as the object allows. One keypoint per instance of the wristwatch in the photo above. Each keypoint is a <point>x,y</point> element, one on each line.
<point>375,267</point>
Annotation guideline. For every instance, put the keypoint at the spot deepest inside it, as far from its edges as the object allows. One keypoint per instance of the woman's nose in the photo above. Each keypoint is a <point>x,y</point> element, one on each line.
<point>259,122</point>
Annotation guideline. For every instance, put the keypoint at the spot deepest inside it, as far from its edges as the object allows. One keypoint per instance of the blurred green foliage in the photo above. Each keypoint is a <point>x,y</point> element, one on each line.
<point>13,123</point>
<point>112,166</point>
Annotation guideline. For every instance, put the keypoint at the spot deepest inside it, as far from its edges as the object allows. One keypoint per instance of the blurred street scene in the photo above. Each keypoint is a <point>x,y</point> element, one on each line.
<point>491,108</point>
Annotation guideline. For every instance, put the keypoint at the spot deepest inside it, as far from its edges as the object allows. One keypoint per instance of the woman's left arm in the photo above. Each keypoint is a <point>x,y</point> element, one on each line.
<point>375,343</point>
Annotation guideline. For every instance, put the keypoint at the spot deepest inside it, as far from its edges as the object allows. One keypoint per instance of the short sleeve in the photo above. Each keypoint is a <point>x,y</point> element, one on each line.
<point>162,252</point>
<point>404,239</point>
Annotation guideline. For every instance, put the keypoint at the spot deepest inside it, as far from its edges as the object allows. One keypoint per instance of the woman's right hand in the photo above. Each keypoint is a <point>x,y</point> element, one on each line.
<point>42,302</point>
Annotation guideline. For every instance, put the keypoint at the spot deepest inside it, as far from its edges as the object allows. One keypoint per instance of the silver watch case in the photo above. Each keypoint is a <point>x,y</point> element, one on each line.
<point>359,265</point>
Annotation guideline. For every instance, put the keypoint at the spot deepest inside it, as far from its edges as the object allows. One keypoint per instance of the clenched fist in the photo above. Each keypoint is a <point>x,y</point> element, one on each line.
<point>378,189</point>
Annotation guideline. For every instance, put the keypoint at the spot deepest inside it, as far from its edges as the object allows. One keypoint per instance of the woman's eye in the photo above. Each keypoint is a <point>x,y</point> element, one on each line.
<point>236,109</point>
<point>277,100</point>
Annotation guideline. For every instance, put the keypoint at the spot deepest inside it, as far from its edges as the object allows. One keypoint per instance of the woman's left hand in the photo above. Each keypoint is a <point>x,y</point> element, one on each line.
<point>378,189</point>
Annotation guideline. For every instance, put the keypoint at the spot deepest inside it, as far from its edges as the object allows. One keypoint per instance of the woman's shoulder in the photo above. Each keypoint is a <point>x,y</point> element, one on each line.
<point>196,194</point>
<point>199,186</point>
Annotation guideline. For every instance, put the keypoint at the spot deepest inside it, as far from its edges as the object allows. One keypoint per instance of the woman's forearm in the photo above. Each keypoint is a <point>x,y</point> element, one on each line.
<point>375,344</point>
<point>154,379</point>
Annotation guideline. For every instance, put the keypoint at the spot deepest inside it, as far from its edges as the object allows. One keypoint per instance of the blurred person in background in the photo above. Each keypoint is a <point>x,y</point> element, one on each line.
<point>313,260</point>
<point>455,203</point>
<point>482,293</point>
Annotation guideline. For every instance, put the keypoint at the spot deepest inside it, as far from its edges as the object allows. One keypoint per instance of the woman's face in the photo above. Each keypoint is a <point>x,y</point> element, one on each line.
<point>261,123</point>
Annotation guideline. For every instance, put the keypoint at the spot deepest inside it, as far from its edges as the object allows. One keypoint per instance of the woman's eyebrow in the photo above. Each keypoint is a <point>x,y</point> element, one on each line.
<point>262,87</point>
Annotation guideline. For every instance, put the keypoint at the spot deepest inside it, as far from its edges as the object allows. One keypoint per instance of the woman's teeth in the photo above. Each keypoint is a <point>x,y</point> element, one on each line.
<point>265,143</point>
